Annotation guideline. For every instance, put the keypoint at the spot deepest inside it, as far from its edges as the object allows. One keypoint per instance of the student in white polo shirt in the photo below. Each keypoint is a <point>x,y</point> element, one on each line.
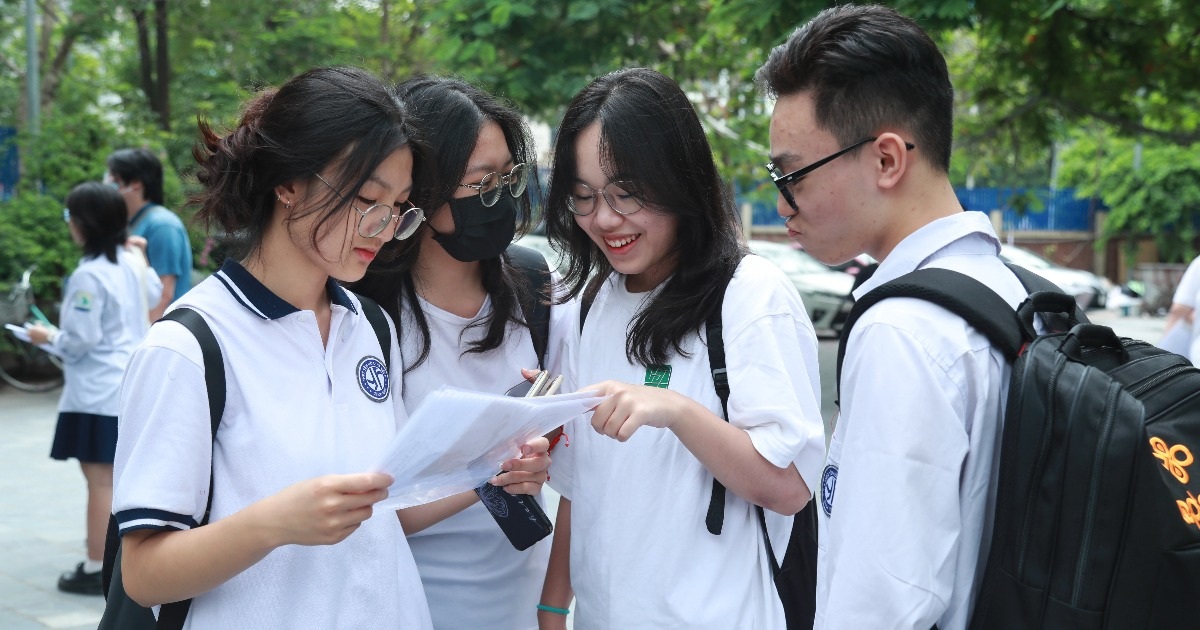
<point>103,318</point>
<point>457,298</point>
<point>860,149</point>
<point>638,205</point>
<point>317,176</point>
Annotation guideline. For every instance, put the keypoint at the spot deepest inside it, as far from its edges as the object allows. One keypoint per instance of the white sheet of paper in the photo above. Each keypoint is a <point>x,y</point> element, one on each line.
<point>457,439</point>
<point>23,335</point>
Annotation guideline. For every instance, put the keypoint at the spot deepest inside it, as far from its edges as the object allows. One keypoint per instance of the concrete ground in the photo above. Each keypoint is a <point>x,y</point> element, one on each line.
<point>42,501</point>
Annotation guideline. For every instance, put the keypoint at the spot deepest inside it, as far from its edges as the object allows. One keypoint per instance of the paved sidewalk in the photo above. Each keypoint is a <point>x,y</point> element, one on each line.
<point>41,520</point>
<point>42,503</point>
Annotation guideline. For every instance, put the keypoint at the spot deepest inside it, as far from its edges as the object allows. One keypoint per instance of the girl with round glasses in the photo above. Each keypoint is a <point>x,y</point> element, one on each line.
<point>651,235</point>
<point>457,293</point>
<point>310,403</point>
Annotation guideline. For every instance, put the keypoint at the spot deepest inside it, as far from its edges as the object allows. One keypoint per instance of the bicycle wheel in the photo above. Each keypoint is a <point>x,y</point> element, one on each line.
<point>34,370</point>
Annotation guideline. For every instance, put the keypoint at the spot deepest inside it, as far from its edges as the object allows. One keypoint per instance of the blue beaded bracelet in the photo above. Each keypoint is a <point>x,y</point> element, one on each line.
<point>557,611</point>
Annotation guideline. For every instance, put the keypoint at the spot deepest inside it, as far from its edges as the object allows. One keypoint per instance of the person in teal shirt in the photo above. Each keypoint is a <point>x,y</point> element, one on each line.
<point>137,174</point>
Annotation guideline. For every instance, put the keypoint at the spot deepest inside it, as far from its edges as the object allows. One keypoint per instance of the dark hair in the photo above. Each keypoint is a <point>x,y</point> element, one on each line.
<point>139,165</point>
<point>99,213</point>
<point>649,135</point>
<point>319,117</point>
<point>868,68</point>
<point>449,115</point>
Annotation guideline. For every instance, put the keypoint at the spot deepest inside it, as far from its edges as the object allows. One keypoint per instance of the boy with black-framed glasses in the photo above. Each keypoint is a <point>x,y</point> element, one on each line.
<point>909,486</point>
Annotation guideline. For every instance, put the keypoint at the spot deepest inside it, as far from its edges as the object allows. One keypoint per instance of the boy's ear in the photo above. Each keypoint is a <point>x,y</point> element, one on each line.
<point>892,155</point>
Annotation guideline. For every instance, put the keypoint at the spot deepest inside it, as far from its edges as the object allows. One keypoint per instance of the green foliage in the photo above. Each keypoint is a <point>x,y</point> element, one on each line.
<point>1160,198</point>
<point>32,232</point>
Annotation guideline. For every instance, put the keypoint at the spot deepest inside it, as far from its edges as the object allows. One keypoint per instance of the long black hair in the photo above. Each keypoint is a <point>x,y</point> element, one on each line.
<point>323,116</point>
<point>448,115</point>
<point>98,211</point>
<point>651,137</point>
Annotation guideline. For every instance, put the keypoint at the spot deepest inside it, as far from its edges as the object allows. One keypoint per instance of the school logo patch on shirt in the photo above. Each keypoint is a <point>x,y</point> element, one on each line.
<point>828,485</point>
<point>373,378</point>
<point>83,301</point>
<point>658,376</point>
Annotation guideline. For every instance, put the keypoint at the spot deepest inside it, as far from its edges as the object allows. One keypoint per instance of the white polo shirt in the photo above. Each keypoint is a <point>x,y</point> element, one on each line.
<point>641,555</point>
<point>100,324</point>
<point>295,409</point>
<point>908,492</point>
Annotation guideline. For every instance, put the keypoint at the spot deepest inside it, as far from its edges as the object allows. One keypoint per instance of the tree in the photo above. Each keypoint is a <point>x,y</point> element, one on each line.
<point>1158,196</point>
<point>156,67</point>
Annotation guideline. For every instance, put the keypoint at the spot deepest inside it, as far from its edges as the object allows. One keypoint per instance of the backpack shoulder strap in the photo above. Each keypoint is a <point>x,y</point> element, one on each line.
<point>374,314</point>
<point>1034,283</point>
<point>958,293</point>
<point>533,265</point>
<point>714,337</point>
<point>172,616</point>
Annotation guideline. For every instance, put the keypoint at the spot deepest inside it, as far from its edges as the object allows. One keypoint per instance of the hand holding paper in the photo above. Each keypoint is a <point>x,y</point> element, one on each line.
<point>457,439</point>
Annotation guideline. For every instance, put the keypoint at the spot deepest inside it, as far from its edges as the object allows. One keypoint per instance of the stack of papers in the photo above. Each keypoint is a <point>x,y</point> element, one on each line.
<point>23,335</point>
<point>457,439</point>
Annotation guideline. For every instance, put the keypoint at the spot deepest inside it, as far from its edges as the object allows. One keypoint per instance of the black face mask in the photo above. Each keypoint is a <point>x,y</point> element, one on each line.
<point>481,232</point>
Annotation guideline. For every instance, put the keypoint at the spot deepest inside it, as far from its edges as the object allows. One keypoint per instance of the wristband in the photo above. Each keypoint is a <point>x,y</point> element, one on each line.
<point>557,611</point>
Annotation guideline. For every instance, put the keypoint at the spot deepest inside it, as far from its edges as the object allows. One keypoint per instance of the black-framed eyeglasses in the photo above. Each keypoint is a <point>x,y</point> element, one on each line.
<point>582,200</point>
<point>493,184</point>
<point>783,181</point>
<point>375,219</point>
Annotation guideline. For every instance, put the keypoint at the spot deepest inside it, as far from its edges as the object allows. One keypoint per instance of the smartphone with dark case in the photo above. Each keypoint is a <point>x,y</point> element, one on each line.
<point>519,516</point>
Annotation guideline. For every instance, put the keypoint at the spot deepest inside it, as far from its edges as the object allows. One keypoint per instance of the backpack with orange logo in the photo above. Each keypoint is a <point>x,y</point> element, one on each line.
<point>1097,519</point>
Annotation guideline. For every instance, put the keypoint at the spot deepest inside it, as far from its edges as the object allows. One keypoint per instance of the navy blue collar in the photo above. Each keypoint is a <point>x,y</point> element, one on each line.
<point>262,301</point>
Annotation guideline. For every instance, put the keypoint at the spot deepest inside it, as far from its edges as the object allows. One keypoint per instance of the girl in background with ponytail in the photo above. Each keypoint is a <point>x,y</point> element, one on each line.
<point>317,176</point>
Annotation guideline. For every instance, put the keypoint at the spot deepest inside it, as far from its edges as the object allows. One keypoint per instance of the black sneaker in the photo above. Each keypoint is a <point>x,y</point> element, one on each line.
<point>80,581</point>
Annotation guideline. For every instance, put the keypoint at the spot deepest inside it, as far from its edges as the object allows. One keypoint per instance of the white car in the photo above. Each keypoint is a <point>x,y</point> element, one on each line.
<point>1090,290</point>
<point>542,244</point>
<point>826,293</point>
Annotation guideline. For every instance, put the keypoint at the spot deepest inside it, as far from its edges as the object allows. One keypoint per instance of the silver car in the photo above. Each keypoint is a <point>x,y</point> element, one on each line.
<point>1089,289</point>
<point>826,293</point>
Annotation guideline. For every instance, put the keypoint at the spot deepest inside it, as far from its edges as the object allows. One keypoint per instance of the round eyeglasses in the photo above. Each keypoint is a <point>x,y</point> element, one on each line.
<point>493,184</point>
<point>582,200</point>
<point>375,219</point>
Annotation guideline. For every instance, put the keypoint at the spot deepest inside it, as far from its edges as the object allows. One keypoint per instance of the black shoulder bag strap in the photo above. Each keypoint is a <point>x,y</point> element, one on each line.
<point>374,314</point>
<point>536,304</point>
<point>714,337</point>
<point>958,293</point>
<point>172,616</point>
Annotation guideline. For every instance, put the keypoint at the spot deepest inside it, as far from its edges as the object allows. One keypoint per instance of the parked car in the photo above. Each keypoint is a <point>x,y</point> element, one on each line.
<point>542,244</point>
<point>1090,290</point>
<point>826,293</point>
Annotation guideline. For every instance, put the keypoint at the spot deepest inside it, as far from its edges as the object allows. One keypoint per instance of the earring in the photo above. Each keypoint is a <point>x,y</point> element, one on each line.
<point>287,205</point>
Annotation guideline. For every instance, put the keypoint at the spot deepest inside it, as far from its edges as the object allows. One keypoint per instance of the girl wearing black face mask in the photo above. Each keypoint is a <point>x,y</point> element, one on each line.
<point>456,297</point>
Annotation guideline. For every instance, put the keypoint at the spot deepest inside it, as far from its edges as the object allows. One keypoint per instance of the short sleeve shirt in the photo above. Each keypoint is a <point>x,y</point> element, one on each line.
<point>641,555</point>
<point>167,244</point>
<point>295,409</point>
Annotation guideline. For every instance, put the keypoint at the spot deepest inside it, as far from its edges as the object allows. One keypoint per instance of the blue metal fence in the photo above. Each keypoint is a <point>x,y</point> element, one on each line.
<point>1059,210</point>
<point>9,170</point>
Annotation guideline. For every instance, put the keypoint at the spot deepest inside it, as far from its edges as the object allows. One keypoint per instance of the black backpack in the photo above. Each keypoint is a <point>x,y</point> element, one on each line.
<point>796,577</point>
<point>1097,518</point>
<point>121,612</point>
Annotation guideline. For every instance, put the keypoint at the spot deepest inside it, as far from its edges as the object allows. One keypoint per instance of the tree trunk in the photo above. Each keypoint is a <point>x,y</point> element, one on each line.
<point>144,59</point>
<point>385,64</point>
<point>162,64</point>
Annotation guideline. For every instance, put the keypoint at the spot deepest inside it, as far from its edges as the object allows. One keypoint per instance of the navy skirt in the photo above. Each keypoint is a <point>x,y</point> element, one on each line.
<point>87,437</point>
